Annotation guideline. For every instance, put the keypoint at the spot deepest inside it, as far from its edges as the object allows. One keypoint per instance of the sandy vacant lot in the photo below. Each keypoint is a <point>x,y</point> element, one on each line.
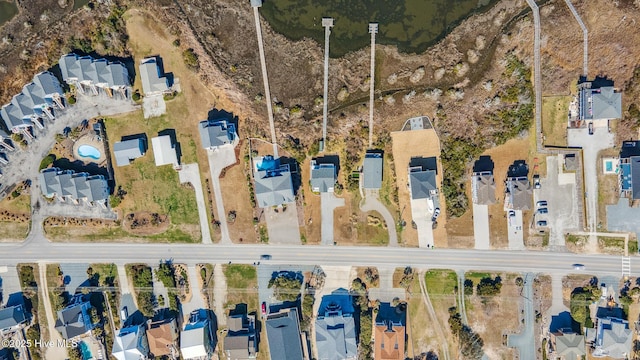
<point>416,143</point>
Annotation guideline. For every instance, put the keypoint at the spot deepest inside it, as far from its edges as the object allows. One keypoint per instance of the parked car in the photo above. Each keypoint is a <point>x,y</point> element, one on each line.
<point>543,211</point>
<point>536,182</point>
<point>436,213</point>
<point>512,217</point>
<point>264,308</point>
<point>512,213</point>
<point>542,203</point>
<point>591,128</point>
<point>542,223</point>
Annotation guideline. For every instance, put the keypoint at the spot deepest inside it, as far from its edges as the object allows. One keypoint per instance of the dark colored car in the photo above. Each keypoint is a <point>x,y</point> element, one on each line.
<point>590,128</point>
<point>542,223</point>
<point>265,257</point>
<point>543,211</point>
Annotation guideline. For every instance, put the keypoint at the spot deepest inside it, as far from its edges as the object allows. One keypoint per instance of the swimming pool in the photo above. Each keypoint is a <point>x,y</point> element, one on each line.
<point>88,151</point>
<point>86,353</point>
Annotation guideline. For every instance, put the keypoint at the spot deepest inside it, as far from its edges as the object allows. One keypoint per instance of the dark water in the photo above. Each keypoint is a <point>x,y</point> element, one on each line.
<point>8,9</point>
<point>412,25</point>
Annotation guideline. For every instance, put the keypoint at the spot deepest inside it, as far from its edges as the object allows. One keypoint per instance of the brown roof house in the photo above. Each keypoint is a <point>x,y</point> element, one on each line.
<point>390,332</point>
<point>163,336</point>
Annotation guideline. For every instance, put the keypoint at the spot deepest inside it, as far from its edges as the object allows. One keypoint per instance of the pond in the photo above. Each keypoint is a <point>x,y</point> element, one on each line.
<point>8,9</point>
<point>412,25</point>
<point>88,151</point>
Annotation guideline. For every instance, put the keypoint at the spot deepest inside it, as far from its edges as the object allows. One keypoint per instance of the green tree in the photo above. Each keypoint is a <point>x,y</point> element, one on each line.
<point>145,303</point>
<point>286,286</point>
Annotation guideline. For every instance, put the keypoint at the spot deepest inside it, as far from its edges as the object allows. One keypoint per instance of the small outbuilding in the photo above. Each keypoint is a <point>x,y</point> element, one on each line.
<point>127,151</point>
<point>164,151</point>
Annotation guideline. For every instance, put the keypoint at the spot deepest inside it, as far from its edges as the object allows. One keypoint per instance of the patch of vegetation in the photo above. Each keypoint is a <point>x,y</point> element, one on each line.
<point>307,311</point>
<point>489,287</point>
<point>470,342</point>
<point>581,298</point>
<point>441,282</point>
<point>143,285</point>
<point>29,286</point>
<point>361,302</point>
<point>456,154</point>
<point>191,59</point>
<point>166,274</point>
<point>286,286</point>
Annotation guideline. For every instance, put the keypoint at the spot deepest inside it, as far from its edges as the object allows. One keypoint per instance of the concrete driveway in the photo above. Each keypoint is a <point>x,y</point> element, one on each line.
<point>516,232</point>
<point>74,275</point>
<point>621,217</point>
<point>525,341</point>
<point>153,105</point>
<point>9,284</point>
<point>328,203</point>
<point>481,227</point>
<point>219,159</point>
<point>591,145</point>
<point>558,189</point>
<point>282,226</point>
<point>126,296</point>
<point>197,301</point>
<point>422,218</point>
<point>190,173</point>
<point>371,203</point>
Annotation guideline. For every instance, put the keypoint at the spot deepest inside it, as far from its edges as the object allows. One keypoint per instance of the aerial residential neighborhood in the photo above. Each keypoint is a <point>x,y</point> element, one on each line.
<point>353,180</point>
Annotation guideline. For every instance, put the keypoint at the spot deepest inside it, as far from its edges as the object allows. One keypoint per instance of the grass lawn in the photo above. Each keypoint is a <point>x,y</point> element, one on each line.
<point>372,234</point>
<point>554,119</point>
<point>53,282</point>
<point>441,283</point>
<point>176,234</point>
<point>15,215</point>
<point>242,286</point>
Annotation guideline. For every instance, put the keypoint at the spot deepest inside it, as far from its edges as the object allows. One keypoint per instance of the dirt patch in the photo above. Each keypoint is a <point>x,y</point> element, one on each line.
<point>406,145</point>
<point>312,208</point>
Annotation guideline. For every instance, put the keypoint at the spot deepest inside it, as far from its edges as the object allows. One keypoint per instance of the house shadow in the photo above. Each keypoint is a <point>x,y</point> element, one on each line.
<point>174,141</point>
<point>519,168</point>
<point>239,309</point>
<point>429,163</point>
<point>563,321</point>
<point>294,168</point>
<point>329,159</point>
<point>135,319</point>
<point>141,136</point>
<point>80,166</point>
<point>220,114</point>
<point>15,299</point>
<point>597,82</point>
<point>484,163</point>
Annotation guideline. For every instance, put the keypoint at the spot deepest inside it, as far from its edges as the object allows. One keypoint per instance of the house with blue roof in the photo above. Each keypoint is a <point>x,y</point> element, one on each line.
<point>629,170</point>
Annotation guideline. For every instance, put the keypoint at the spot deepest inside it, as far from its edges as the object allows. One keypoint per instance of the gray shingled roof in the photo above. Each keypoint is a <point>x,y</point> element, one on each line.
<point>484,188</point>
<point>215,133</point>
<point>66,183</point>
<point>11,316</point>
<point>128,150</point>
<point>607,104</point>
<point>335,327</point>
<point>422,184</point>
<point>96,71</point>
<point>273,185</point>
<point>372,171</point>
<point>240,340</point>
<point>283,335</point>
<point>323,177</point>
<point>35,96</point>
<point>152,81</point>
<point>571,346</point>
<point>74,320</point>
<point>520,193</point>
<point>613,338</point>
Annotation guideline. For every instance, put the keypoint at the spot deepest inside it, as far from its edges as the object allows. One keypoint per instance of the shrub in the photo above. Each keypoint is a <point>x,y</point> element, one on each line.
<point>136,95</point>
<point>191,58</point>
<point>47,161</point>
<point>286,286</point>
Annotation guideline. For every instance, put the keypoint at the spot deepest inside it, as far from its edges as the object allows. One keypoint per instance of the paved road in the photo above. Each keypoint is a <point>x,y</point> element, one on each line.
<point>537,76</point>
<point>265,80</point>
<point>525,341</point>
<point>328,203</point>
<point>190,173</point>
<point>455,259</point>
<point>481,227</point>
<point>371,203</point>
<point>585,36</point>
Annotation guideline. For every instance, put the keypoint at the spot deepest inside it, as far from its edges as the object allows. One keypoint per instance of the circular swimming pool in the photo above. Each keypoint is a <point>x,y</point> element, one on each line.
<point>88,151</point>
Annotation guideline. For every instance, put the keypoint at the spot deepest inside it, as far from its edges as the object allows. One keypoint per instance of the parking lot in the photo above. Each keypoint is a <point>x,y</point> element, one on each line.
<point>558,189</point>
